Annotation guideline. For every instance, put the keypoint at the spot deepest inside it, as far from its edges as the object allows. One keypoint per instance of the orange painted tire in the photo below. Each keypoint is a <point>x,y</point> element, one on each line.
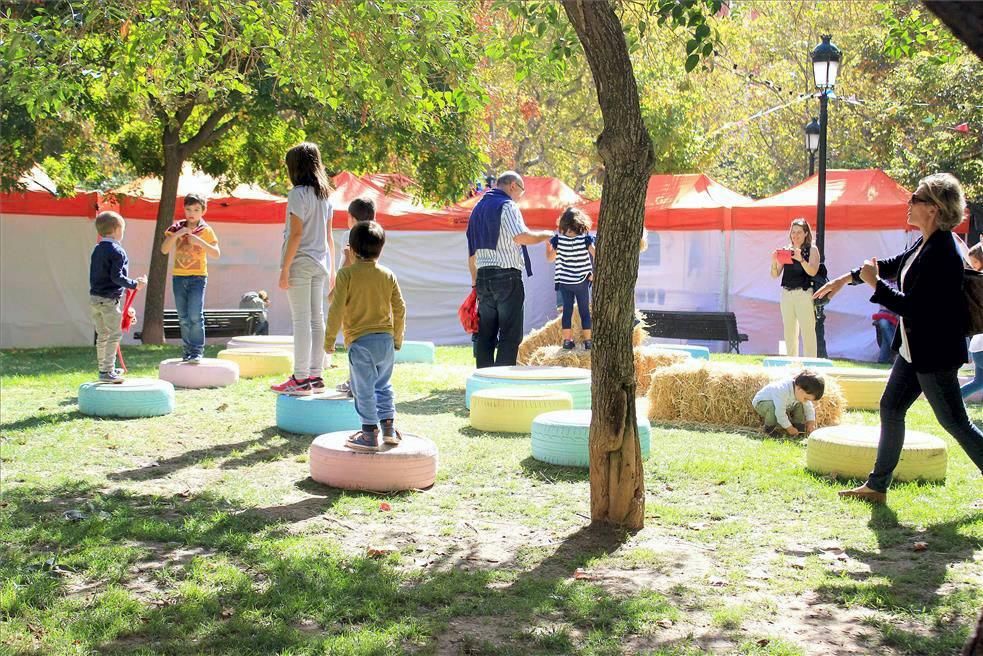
<point>410,465</point>
<point>210,372</point>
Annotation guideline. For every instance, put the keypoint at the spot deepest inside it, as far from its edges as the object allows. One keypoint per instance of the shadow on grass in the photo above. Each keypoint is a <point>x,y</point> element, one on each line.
<point>542,471</point>
<point>42,420</point>
<point>437,403</point>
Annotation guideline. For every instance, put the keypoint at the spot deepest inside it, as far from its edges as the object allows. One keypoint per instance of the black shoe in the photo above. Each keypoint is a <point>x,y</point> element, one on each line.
<point>588,344</point>
<point>568,345</point>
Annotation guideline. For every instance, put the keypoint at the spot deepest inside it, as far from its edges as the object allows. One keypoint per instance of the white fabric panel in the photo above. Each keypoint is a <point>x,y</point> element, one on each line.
<point>44,281</point>
<point>681,270</point>
<point>754,293</point>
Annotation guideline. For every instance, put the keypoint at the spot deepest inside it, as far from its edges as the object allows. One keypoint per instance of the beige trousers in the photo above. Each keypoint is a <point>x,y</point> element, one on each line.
<point>799,316</point>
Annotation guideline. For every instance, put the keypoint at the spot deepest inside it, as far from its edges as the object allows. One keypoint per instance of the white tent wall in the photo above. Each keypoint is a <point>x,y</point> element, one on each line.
<point>681,270</point>
<point>754,293</point>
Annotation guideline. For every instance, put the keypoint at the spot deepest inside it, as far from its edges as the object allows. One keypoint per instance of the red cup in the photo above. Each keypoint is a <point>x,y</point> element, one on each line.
<point>783,255</point>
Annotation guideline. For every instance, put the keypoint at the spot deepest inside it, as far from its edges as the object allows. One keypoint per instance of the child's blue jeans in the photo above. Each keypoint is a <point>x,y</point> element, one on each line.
<point>976,384</point>
<point>581,293</point>
<point>370,361</point>
<point>189,300</point>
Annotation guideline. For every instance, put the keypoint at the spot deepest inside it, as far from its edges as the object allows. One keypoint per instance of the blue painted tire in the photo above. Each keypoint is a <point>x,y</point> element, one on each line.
<point>560,437</point>
<point>783,361</point>
<point>697,352</point>
<point>136,397</point>
<point>316,414</point>
<point>579,390</point>
<point>416,352</point>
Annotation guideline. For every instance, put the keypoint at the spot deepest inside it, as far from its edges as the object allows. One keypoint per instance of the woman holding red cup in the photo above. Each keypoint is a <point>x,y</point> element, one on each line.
<point>797,263</point>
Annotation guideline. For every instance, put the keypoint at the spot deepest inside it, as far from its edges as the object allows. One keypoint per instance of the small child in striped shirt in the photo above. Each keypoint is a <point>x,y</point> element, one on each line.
<point>572,249</point>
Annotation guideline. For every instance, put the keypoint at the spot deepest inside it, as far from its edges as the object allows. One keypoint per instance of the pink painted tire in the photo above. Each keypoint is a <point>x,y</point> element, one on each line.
<point>410,465</point>
<point>211,372</point>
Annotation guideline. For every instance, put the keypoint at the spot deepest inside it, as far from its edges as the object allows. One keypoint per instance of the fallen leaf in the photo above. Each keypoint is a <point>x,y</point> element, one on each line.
<point>920,546</point>
<point>716,582</point>
<point>763,642</point>
<point>378,552</point>
<point>665,624</point>
<point>228,612</point>
<point>580,574</point>
<point>385,507</point>
<point>222,408</point>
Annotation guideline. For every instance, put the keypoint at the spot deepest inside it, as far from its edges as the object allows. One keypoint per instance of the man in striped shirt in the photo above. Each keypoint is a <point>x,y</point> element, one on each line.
<point>497,240</point>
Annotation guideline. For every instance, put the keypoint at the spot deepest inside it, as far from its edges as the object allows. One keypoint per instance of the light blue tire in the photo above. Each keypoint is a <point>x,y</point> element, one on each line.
<point>697,352</point>
<point>137,397</point>
<point>783,361</point>
<point>560,437</point>
<point>579,390</point>
<point>317,414</point>
<point>416,352</point>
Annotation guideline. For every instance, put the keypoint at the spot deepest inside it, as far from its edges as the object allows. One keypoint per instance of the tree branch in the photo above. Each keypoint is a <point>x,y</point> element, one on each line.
<point>208,131</point>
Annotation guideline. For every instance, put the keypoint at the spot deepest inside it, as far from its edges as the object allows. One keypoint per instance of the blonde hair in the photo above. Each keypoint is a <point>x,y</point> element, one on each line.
<point>107,222</point>
<point>945,192</point>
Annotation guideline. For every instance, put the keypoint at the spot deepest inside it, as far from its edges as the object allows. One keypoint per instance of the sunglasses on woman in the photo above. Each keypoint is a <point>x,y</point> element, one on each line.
<point>915,199</point>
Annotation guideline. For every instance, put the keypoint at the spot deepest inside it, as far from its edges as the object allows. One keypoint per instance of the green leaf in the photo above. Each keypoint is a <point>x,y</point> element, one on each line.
<point>691,62</point>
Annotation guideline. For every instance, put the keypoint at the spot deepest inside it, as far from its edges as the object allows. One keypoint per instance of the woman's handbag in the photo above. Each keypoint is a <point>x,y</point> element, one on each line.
<point>973,290</point>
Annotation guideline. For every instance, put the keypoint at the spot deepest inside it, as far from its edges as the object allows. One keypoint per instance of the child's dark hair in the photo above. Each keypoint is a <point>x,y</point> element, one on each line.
<point>195,199</point>
<point>976,252</point>
<point>362,209</point>
<point>367,239</point>
<point>107,222</point>
<point>575,221</point>
<point>305,169</point>
<point>811,383</point>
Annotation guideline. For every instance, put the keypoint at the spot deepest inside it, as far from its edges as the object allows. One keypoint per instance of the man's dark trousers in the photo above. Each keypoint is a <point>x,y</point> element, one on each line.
<point>500,299</point>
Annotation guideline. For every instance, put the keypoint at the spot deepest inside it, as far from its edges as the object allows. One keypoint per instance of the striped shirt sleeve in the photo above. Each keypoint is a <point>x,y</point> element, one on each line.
<point>512,223</point>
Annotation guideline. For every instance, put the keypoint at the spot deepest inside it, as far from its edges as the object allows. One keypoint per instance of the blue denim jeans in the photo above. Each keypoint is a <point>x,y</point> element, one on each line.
<point>189,300</point>
<point>885,336</point>
<point>581,293</point>
<point>370,362</point>
<point>500,306</point>
<point>941,388</point>
<point>976,384</point>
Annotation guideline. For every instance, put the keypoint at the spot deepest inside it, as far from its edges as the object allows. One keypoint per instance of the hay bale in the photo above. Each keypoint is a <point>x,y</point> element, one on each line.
<point>720,394</point>
<point>556,356</point>
<point>647,360</point>
<point>551,334</point>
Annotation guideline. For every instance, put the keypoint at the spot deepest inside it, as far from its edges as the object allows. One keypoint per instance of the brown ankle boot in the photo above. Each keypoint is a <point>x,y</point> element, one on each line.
<point>864,493</point>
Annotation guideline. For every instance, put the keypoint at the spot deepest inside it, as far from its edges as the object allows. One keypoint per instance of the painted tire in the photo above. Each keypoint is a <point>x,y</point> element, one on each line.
<point>782,361</point>
<point>410,465</point>
<point>316,414</point>
<point>534,373</point>
<point>850,451</point>
<point>416,352</point>
<point>254,363</point>
<point>210,372</point>
<point>263,342</point>
<point>560,438</point>
<point>136,397</point>
<point>512,409</point>
<point>862,388</point>
<point>696,352</point>
<point>578,389</point>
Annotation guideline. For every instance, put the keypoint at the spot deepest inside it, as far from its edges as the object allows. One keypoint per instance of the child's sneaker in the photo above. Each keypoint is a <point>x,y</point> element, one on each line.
<point>588,344</point>
<point>346,388</point>
<point>115,376</point>
<point>316,383</point>
<point>389,433</point>
<point>194,359</point>
<point>186,357</point>
<point>293,387</point>
<point>568,345</point>
<point>363,441</point>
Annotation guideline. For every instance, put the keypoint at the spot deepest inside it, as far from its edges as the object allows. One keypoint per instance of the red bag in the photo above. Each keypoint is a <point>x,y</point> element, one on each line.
<point>468,312</point>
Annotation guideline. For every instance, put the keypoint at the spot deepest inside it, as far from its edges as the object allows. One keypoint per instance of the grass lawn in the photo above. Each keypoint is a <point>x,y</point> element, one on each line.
<point>204,535</point>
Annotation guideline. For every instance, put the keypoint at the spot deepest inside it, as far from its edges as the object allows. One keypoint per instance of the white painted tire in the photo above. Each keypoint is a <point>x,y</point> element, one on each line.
<point>136,397</point>
<point>572,380</point>
<point>263,342</point>
<point>561,438</point>
<point>410,465</point>
<point>316,414</point>
<point>254,363</point>
<point>696,352</point>
<point>512,409</point>
<point>423,352</point>
<point>210,372</point>
<point>850,452</point>
<point>801,363</point>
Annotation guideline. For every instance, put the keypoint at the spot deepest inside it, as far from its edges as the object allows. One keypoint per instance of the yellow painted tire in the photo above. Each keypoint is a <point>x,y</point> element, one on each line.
<point>862,388</point>
<point>512,409</point>
<point>254,363</point>
<point>850,452</point>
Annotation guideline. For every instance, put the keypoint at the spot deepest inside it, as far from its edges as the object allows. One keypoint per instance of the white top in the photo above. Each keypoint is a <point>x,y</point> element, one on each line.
<point>508,255</point>
<point>782,394</point>
<point>904,351</point>
<point>315,216</point>
<point>976,343</point>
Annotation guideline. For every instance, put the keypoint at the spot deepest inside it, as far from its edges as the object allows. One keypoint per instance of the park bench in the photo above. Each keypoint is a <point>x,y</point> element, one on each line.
<point>709,326</point>
<point>218,323</point>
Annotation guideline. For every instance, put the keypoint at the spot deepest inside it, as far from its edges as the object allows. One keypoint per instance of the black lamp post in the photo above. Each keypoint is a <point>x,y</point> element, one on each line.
<point>812,143</point>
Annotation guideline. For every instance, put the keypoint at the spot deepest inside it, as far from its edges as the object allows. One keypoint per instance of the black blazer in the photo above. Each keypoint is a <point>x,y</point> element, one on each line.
<point>931,302</point>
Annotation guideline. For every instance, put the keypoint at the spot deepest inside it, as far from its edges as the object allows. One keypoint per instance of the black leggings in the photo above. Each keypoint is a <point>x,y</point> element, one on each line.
<point>581,293</point>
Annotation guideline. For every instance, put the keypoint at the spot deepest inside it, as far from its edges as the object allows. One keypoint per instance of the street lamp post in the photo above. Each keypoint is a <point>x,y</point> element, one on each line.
<point>825,67</point>
<point>812,143</point>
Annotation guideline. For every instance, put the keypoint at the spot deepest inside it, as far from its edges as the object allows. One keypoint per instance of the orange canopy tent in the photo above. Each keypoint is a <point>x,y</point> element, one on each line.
<point>541,205</point>
<point>862,199</point>
<point>395,209</point>
<point>691,201</point>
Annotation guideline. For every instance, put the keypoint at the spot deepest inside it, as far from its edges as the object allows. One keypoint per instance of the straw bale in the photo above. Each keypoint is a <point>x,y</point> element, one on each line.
<point>551,334</point>
<point>647,359</point>
<point>720,393</point>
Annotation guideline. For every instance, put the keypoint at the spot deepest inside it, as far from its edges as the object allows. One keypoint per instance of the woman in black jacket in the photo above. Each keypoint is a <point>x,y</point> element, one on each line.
<point>931,335</point>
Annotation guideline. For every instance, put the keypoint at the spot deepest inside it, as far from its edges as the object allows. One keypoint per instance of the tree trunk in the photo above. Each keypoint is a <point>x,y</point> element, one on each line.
<point>616,481</point>
<point>153,309</point>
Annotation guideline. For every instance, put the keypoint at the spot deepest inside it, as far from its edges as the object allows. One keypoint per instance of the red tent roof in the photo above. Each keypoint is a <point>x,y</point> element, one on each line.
<point>395,209</point>
<point>863,199</point>
<point>689,201</point>
<point>541,205</point>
